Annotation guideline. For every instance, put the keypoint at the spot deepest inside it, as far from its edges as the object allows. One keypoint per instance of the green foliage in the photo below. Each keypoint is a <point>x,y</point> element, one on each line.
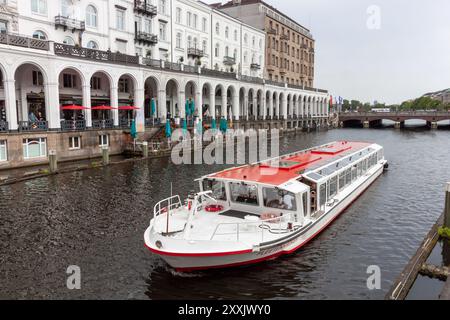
<point>422,103</point>
<point>444,232</point>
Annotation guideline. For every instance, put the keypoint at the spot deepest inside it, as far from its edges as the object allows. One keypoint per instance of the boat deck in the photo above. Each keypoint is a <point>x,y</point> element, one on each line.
<point>229,226</point>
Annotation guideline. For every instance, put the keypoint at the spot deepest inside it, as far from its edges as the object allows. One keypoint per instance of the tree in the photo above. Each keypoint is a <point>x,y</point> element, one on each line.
<point>355,104</point>
<point>346,105</point>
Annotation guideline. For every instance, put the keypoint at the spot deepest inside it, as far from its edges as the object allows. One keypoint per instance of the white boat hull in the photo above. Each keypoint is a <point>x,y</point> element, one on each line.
<point>204,260</point>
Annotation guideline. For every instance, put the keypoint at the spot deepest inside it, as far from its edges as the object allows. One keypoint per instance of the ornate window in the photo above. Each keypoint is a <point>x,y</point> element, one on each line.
<point>39,35</point>
<point>91,16</point>
<point>92,45</point>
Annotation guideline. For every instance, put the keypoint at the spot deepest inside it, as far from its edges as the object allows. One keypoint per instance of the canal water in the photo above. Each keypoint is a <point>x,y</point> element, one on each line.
<point>95,219</point>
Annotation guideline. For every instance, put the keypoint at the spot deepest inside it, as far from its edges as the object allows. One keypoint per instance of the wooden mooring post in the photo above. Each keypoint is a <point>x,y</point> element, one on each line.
<point>447,206</point>
<point>105,155</point>
<point>53,161</point>
<point>417,264</point>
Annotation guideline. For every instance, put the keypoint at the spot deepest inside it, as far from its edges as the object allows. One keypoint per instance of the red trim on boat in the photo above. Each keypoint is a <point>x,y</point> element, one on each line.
<point>278,253</point>
<point>212,254</point>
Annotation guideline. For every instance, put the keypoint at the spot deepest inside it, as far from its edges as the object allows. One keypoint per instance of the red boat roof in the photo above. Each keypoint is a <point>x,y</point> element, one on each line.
<point>291,167</point>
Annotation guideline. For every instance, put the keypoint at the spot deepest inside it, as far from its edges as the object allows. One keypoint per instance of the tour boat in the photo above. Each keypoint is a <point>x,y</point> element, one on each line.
<point>257,212</point>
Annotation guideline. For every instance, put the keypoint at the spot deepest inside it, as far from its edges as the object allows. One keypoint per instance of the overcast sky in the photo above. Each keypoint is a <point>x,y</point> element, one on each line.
<point>406,57</point>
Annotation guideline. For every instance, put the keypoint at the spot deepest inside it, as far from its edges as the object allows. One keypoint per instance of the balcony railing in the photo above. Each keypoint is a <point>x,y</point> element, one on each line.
<point>194,52</point>
<point>255,66</point>
<point>103,124</point>
<point>172,66</point>
<point>304,46</point>
<point>284,37</point>
<point>274,83</point>
<point>146,38</point>
<point>229,61</point>
<point>25,126</point>
<point>152,122</point>
<point>25,42</point>
<point>4,126</point>
<point>68,23</point>
<point>251,79</point>
<point>73,125</point>
<point>154,63</point>
<point>219,74</point>
<point>145,8</point>
<point>271,31</point>
<point>97,55</point>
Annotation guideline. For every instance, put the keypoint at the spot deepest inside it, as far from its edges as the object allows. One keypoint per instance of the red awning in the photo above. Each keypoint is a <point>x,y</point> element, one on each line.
<point>73,107</point>
<point>103,108</point>
<point>128,108</point>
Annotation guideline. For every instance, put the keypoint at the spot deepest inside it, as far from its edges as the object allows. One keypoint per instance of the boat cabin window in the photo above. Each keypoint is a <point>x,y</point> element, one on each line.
<point>333,187</point>
<point>341,180</point>
<point>244,193</point>
<point>217,188</point>
<point>279,199</point>
<point>322,195</point>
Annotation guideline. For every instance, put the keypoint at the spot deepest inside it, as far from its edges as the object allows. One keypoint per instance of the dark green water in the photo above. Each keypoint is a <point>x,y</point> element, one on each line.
<point>95,219</point>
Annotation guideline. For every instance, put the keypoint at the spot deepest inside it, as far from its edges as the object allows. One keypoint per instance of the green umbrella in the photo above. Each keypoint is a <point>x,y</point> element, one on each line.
<point>133,129</point>
<point>192,107</point>
<point>168,130</point>
<point>153,106</point>
<point>187,108</point>
<point>184,126</point>
<point>199,127</point>
<point>223,125</point>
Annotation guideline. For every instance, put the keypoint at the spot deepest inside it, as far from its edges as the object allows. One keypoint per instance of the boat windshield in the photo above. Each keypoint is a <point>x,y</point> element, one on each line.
<point>217,188</point>
<point>279,199</point>
<point>244,193</point>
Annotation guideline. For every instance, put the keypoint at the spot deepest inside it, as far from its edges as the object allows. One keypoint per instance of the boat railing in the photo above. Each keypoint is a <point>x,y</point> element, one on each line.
<point>167,205</point>
<point>255,227</point>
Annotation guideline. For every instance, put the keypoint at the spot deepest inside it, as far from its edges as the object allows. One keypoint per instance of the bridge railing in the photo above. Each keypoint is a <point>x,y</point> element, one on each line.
<point>399,113</point>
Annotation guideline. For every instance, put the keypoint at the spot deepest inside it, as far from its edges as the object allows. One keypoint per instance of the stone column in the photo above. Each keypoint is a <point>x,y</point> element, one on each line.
<point>236,106</point>
<point>10,104</point>
<point>245,115</point>
<point>284,107</point>
<point>114,96</point>
<point>182,104</point>
<point>52,108</point>
<point>199,104</point>
<point>87,104</point>
<point>212,104</point>
<point>255,106</point>
<point>162,105</point>
<point>301,106</point>
<point>270,106</point>
<point>224,105</point>
<point>277,105</point>
<point>263,106</point>
<point>139,99</point>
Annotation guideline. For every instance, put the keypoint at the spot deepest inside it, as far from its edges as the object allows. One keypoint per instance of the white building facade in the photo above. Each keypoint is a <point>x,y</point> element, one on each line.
<point>51,85</point>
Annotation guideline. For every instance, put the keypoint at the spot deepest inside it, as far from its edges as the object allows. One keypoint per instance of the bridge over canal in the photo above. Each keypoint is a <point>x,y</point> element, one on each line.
<point>374,119</point>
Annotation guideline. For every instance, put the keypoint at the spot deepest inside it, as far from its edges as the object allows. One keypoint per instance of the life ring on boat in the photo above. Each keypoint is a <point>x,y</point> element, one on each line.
<point>164,210</point>
<point>214,208</point>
